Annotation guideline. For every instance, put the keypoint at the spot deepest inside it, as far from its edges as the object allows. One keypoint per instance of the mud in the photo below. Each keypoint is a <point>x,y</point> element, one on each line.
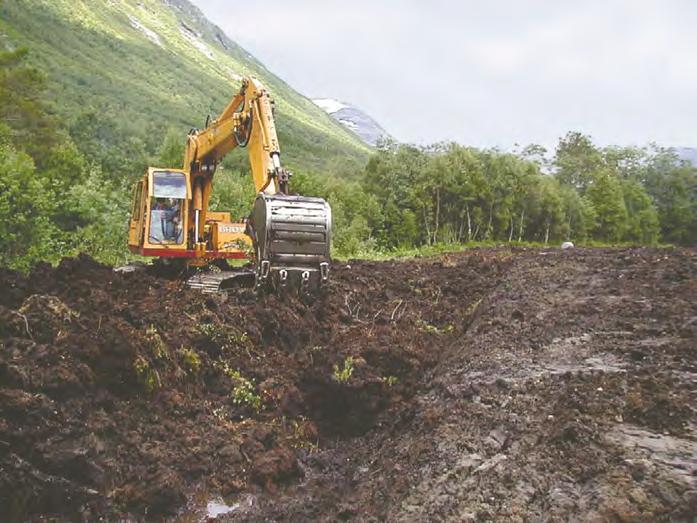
<point>494,384</point>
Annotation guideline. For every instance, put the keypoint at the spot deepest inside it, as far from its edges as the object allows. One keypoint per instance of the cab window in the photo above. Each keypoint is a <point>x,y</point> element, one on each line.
<point>167,208</point>
<point>167,184</point>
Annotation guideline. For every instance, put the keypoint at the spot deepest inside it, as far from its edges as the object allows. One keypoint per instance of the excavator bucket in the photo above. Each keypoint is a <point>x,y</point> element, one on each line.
<point>292,238</point>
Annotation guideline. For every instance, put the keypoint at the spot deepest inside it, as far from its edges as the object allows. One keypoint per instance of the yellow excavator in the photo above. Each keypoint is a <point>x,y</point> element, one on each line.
<point>288,236</point>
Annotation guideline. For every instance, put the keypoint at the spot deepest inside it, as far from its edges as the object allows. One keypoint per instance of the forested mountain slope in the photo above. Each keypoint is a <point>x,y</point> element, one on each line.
<point>144,66</point>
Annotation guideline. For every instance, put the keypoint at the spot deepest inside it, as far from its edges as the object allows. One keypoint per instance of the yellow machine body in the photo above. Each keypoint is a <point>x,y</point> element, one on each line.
<point>286,234</point>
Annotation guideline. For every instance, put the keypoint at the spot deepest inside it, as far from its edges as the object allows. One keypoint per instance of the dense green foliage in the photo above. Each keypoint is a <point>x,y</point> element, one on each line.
<point>53,202</point>
<point>449,194</point>
<point>63,189</point>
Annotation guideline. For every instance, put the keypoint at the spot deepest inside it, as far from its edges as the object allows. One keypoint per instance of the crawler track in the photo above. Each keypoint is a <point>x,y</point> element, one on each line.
<point>213,282</point>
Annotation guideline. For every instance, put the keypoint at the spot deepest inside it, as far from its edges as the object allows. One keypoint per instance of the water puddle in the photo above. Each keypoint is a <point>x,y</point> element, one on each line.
<point>217,508</point>
<point>205,507</point>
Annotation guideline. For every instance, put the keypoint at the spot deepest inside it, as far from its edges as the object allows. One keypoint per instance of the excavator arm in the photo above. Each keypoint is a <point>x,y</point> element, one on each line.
<point>247,121</point>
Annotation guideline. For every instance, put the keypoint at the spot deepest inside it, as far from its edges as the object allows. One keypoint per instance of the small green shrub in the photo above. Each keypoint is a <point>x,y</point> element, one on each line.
<point>223,336</point>
<point>342,375</point>
<point>390,381</point>
<point>148,377</point>
<point>243,389</point>
<point>155,342</point>
<point>432,329</point>
<point>191,360</point>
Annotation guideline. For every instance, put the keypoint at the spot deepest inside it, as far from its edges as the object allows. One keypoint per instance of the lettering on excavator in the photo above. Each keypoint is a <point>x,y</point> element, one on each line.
<point>232,228</point>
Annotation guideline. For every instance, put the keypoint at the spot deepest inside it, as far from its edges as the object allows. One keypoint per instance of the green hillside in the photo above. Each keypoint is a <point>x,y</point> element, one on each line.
<point>146,66</point>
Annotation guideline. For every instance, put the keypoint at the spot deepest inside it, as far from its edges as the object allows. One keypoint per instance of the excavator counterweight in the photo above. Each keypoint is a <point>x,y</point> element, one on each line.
<point>288,236</point>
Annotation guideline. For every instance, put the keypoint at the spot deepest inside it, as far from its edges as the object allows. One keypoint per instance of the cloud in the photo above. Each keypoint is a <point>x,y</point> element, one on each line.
<point>487,73</point>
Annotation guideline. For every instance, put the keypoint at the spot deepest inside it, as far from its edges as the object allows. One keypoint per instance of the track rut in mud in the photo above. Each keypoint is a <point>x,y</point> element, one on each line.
<point>496,383</point>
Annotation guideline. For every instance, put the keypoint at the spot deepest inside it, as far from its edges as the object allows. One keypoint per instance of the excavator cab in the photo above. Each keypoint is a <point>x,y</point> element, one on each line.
<point>167,208</point>
<point>161,222</point>
<point>158,216</point>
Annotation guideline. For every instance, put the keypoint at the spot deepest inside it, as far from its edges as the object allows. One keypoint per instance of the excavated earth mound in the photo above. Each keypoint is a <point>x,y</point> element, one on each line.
<point>493,384</point>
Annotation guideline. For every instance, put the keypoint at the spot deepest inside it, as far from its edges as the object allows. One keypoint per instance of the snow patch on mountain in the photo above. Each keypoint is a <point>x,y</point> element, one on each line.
<point>195,40</point>
<point>353,119</point>
<point>348,123</point>
<point>329,104</point>
<point>232,74</point>
<point>149,33</point>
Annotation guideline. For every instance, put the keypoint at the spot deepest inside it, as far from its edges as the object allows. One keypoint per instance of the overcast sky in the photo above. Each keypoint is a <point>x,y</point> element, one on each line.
<point>489,73</point>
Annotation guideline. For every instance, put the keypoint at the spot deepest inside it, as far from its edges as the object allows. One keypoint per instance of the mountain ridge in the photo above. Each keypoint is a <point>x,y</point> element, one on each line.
<point>156,64</point>
<point>689,154</point>
<point>354,119</point>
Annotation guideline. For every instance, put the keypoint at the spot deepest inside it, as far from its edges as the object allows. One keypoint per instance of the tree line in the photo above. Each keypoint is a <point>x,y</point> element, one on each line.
<point>65,187</point>
<point>412,196</point>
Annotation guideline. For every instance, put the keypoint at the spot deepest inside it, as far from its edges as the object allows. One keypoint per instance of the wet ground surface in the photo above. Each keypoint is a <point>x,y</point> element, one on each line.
<point>494,384</point>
